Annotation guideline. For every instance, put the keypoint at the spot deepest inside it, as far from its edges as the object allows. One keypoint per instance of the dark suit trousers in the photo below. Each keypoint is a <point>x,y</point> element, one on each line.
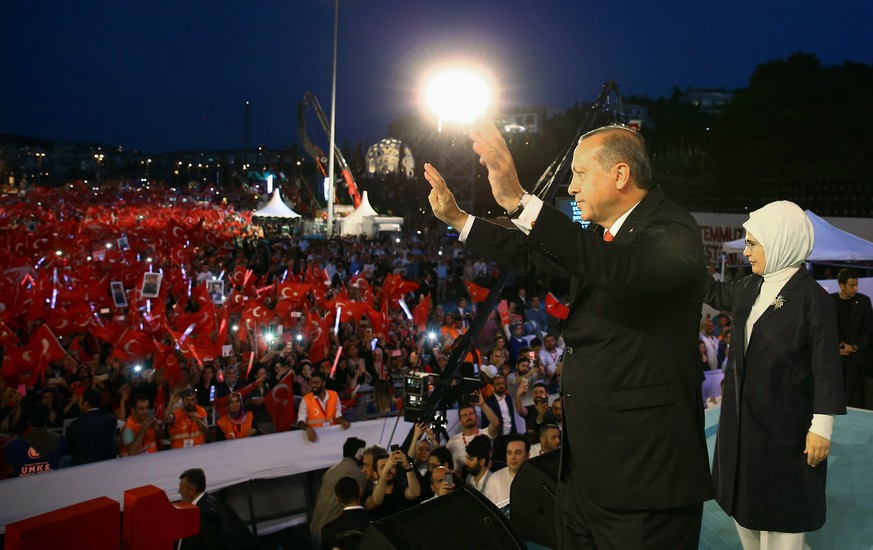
<point>853,378</point>
<point>582,524</point>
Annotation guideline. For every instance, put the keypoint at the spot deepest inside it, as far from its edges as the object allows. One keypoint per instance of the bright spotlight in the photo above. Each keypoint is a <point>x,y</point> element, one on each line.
<point>458,96</point>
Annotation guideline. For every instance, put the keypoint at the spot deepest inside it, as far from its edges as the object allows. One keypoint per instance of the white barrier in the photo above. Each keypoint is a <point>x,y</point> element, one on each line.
<point>226,463</point>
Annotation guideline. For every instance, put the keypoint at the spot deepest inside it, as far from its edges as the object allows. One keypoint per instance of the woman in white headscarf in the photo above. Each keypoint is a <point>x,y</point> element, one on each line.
<point>782,388</point>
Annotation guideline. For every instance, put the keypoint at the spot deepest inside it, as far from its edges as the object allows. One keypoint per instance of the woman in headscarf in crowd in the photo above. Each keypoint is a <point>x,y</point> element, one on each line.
<point>237,422</point>
<point>782,387</point>
<point>301,379</point>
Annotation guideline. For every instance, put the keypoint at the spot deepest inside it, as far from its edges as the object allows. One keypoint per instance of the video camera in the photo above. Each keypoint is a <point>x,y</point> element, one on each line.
<point>418,387</point>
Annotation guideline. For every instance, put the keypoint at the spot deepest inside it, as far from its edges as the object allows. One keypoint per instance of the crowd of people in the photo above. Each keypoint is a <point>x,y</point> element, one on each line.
<point>338,324</point>
<point>202,362</point>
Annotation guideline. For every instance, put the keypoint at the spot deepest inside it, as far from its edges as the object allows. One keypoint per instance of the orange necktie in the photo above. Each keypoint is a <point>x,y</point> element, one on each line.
<point>607,236</point>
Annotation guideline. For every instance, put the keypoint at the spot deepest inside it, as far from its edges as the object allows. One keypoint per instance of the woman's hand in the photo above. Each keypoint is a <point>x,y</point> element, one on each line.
<point>817,449</point>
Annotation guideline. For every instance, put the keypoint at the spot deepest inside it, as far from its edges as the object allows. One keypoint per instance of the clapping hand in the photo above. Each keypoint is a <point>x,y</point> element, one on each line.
<point>441,199</point>
<point>494,155</point>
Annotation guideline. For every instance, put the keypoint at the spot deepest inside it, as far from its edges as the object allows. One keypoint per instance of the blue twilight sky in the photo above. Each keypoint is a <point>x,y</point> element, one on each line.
<point>167,75</point>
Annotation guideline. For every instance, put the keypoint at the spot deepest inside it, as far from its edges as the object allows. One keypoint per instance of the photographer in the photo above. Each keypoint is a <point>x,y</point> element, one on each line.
<point>535,416</point>
<point>393,493</point>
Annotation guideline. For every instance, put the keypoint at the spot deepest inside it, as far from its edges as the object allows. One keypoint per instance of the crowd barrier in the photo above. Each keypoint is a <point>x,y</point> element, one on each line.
<point>226,463</point>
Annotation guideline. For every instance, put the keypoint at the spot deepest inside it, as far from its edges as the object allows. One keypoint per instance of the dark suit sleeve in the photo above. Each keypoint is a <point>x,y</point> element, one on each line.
<point>210,524</point>
<point>865,334</point>
<point>663,255</point>
<point>717,294</point>
<point>505,246</point>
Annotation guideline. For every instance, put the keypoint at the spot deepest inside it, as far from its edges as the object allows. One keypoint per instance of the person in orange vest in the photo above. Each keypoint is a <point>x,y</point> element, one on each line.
<point>188,427</point>
<point>140,434</point>
<point>237,422</point>
<point>318,407</point>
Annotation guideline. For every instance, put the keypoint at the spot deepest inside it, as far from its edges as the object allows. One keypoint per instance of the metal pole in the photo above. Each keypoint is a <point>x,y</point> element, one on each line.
<point>330,172</point>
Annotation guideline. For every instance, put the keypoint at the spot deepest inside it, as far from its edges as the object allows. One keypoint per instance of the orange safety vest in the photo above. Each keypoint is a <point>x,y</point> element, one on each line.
<point>232,430</point>
<point>316,416</point>
<point>184,432</point>
<point>149,441</point>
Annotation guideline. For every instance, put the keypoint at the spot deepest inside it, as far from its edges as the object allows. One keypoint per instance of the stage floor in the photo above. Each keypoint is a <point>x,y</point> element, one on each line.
<point>849,490</point>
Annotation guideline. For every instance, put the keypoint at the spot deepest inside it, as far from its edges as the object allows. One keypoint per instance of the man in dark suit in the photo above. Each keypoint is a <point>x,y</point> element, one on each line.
<point>504,407</point>
<point>634,464</point>
<point>855,328</point>
<point>192,489</point>
<point>91,437</point>
<point>220,526</point>
<point>346,531</point>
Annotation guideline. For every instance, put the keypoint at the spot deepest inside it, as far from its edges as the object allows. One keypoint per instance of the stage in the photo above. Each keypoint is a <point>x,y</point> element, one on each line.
<point>849,491</point>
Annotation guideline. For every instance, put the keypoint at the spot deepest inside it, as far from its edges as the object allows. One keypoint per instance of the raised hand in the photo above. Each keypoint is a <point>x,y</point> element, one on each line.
<point>441,199</point>
<point>494,155</point>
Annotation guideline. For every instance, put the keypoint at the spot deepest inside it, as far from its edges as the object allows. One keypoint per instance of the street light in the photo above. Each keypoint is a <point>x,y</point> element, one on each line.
<point>331,171</point>
<point>98,159</point>
<point>458,95</point>
<point>39,157</point>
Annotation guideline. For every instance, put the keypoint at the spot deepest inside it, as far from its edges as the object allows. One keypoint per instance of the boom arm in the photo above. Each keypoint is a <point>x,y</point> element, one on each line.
<point>315,152</point>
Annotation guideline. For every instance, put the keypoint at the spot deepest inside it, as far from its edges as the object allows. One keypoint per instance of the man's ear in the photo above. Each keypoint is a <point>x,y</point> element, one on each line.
<point>621,175</point>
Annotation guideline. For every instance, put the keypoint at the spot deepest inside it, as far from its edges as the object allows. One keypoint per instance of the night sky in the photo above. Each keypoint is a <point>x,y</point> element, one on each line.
<point>170,75</point>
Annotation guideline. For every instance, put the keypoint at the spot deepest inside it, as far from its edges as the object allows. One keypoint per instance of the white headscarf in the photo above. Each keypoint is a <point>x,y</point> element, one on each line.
<point>785,233</point>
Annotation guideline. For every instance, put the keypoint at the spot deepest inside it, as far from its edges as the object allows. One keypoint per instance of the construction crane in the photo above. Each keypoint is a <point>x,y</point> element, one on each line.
<point>315,152</point>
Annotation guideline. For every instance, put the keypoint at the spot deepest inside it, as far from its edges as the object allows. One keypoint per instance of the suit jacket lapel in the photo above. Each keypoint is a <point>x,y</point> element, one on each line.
<point>579,290</point>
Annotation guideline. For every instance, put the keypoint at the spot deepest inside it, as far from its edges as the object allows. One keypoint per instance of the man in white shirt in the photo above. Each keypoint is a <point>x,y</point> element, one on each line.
<point>498,488</point>
<point>469,420</point>
<point>550,355</point>
<point>550,439</point>
<point>710,340</point>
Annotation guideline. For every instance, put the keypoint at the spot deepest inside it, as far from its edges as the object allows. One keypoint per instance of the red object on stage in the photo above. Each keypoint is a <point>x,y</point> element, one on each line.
<point>91,525</point>
<point>152,522</point>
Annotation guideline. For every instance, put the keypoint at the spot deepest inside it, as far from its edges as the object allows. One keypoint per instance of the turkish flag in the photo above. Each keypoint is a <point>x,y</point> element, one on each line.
<point>133,344</point>
<point>477,293</point>
<point>7,337</point>
<point>45,346</point>
<point>293,292</point>
<point>377,319</point>
<point>318,335</point>
<point>556,308</point>
<point>165,359</point>
<point>280,404</point>
<point>12,362</point>
<point>108,332</point>
<point>177,231</point>
<point>395,287</point>
<point>421,312</point>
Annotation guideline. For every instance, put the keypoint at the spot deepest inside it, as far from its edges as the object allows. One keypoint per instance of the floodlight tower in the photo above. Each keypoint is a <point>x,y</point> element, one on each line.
<point>458,97</point>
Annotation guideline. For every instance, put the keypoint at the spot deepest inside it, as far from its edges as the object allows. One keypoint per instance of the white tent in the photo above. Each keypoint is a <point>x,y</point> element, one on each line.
<point>831,243</point>
<point>353,224</point>
<point>276,208</point>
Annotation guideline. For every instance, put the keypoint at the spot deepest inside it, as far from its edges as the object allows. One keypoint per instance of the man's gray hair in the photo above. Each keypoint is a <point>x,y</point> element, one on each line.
<point>623,144</point>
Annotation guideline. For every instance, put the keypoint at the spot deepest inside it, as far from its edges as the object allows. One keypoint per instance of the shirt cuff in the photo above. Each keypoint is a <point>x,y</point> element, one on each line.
<point>466,229</point>
<point>528,216</point>
<point>823,425</point>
